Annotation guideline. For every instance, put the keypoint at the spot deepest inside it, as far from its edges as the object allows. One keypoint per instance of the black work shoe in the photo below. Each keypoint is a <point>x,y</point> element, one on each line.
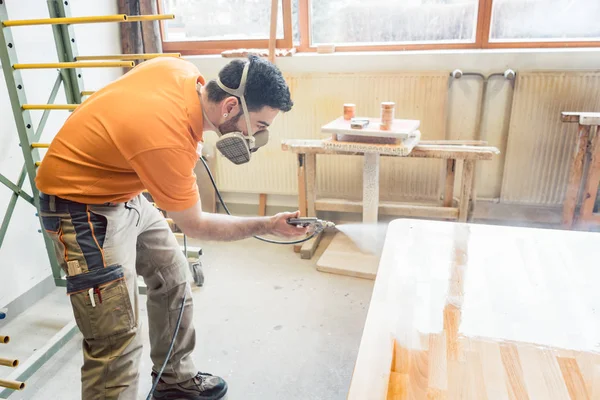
<point>201,387</point>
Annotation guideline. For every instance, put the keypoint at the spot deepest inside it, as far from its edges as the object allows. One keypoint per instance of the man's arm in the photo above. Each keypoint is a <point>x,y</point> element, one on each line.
<point>207,226</point>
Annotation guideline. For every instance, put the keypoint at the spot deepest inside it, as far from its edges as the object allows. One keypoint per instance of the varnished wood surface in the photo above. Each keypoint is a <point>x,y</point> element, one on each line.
<point>463,311</point>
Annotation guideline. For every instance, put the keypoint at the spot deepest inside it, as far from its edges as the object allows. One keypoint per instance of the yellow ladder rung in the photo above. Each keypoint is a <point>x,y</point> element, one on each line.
<point>70,20</point>
<point>49,106</point>
<point>38,163</point>
<point>138,18</point>
<point>38,145</point>
<point>93,64</point>
<point>127,57</point>
<point>87,92</point>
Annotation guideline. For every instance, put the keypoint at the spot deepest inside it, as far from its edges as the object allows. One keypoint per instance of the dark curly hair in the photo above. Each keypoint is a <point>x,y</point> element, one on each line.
<point>265,85</point>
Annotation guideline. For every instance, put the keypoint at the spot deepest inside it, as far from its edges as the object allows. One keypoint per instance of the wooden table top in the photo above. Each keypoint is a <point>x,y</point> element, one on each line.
<point>482,312</point>
<point>425,149</point>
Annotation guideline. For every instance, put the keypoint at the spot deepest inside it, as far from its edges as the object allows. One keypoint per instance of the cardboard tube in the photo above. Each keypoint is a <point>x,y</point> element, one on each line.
<point>78,64</point>
<point>14,385</point>
<point>4,339</point>
<point>50,106</point>
<point>70,20</point>
<point>9,363</point>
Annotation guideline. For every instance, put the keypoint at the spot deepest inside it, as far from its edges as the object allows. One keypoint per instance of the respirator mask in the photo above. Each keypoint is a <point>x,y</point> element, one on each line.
<point>236,146</point>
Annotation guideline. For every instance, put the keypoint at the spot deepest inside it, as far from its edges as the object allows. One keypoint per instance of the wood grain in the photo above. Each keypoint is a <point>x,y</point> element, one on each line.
<point>466,186</point>
<point>309,146</point>
<point>273,30</point>
<point>449,186</point>
<point>590,190</point>
<point>576,171</point>
<point>459,333</point>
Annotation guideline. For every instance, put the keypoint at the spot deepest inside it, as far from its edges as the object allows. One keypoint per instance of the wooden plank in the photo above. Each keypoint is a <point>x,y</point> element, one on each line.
<point>591,185</point>
<point>309,247</point>
<point>310,146</point>
<point>311,184</point>
<point>389,208</point>
<point>304,24</point>
<point>465,190</point>
<point>262,204</point>
<point>287,23</point>
<point>514,372</point>
<point>273,31</point>
<point>449,187</point>
<point>150,29</point>
<point>575,177</point>
<point>343,257</point>
<point>582,118</point>
<point>131,32</point>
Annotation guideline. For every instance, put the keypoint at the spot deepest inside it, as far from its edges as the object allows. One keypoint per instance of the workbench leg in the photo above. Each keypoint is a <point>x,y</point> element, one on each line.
<point>575,177</point>
<point>449,188</point>
<point>465,189</point>
<point>370,187</point>
<point>311,184</point>
<point>591,183</point>
<point>308,248</point>
<point>301,191</point>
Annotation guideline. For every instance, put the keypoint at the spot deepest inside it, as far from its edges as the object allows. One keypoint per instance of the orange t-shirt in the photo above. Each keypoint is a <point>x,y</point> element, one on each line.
<point>139,132</point>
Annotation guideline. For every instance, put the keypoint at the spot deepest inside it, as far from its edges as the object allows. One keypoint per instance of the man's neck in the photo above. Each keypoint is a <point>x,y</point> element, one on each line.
<point>210,111</point>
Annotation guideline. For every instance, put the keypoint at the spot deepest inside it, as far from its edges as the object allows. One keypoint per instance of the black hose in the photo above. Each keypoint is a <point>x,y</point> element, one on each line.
<point>212,180</point>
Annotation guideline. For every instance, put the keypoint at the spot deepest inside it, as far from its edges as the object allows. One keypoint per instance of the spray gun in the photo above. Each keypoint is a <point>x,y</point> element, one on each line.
<point>317,224</point>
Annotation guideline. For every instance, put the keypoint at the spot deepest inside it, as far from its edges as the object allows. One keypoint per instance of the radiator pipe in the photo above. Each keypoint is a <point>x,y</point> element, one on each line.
<point>509,75</point>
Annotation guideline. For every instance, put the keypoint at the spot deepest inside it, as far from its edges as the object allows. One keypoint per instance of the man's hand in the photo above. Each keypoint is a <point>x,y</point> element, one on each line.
<point>283,229</point>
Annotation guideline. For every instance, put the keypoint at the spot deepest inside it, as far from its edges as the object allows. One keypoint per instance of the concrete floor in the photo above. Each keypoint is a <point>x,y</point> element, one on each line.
<point>267,322</point>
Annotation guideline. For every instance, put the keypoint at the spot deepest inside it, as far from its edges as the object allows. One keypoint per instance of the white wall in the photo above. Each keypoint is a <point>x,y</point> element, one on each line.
<point>464,94</point>
<point>23,258</point>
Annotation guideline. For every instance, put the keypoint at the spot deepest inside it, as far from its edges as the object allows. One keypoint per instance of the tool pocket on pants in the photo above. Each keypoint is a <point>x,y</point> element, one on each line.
<point>101,303</point>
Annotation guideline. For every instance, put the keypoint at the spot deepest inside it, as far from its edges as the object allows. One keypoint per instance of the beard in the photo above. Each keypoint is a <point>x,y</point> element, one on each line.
<point>231,125</point>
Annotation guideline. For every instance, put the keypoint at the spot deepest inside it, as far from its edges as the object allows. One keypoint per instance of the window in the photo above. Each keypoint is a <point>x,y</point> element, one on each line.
<point>545,20</point>
<point>352,22</point>
<point>211,26</point>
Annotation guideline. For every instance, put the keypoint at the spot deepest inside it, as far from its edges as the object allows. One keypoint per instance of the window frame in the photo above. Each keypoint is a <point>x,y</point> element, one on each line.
<point>482,37</point>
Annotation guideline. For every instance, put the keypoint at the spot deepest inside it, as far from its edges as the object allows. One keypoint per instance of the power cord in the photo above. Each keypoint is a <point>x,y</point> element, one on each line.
<point>162,369</point>
<point>212,180</point>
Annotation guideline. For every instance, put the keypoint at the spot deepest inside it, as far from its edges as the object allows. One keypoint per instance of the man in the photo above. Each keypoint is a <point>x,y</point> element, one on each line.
<point>142,132</point>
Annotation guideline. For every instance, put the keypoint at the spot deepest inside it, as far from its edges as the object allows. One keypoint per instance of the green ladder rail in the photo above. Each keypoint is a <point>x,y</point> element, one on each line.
<point>70,77</point>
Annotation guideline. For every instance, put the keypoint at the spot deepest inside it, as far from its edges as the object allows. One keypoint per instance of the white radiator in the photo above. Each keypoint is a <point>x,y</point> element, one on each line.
<point>318,99</point>
<point>540,147</point>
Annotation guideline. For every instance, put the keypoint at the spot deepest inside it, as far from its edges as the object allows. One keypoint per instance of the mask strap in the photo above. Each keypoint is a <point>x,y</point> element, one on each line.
<point>239,92</point>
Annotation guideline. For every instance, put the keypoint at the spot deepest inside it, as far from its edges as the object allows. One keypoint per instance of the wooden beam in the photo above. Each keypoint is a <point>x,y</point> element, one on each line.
<point>449,187</point>
<point>304,24</point>
<point>273,33</point>
<point>262,204</point>
<point>574,184</point>
<point>302,185</point>
<point>131,33</point>
<point>591,185</point>
<point>309,247</point>
<point>582,118</point>
<point>288,35</point>
<point>311,184</point>
<point>465,190</point>
<point>389,208</point>
<point>311,146</point>
<point>150,29</point>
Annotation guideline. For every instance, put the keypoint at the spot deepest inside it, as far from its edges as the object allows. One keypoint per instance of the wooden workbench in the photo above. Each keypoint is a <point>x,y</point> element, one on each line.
<point>452,151</point>
<point>465,311</point>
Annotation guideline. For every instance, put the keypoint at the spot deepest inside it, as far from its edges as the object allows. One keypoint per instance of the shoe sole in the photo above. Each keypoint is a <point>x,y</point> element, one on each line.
<point>175,396</point>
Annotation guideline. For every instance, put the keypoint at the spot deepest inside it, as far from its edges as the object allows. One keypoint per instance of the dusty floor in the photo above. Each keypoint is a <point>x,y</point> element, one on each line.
<point>267,321</point>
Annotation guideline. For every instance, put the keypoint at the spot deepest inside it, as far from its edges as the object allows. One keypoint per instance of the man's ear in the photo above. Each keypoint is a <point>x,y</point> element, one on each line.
<point>229,105</point>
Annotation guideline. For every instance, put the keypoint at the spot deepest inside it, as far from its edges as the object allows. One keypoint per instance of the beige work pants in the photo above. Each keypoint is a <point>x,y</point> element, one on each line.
<point>103,248</point>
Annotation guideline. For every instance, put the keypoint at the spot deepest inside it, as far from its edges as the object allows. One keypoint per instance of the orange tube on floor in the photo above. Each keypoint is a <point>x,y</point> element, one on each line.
<point>4,339</point>
<point>9,363</point>
<point>14,385</point>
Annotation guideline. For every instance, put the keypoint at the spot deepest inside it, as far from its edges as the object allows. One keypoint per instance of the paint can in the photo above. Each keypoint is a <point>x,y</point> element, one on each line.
<point>387,115</point>
<point>349,111</point>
